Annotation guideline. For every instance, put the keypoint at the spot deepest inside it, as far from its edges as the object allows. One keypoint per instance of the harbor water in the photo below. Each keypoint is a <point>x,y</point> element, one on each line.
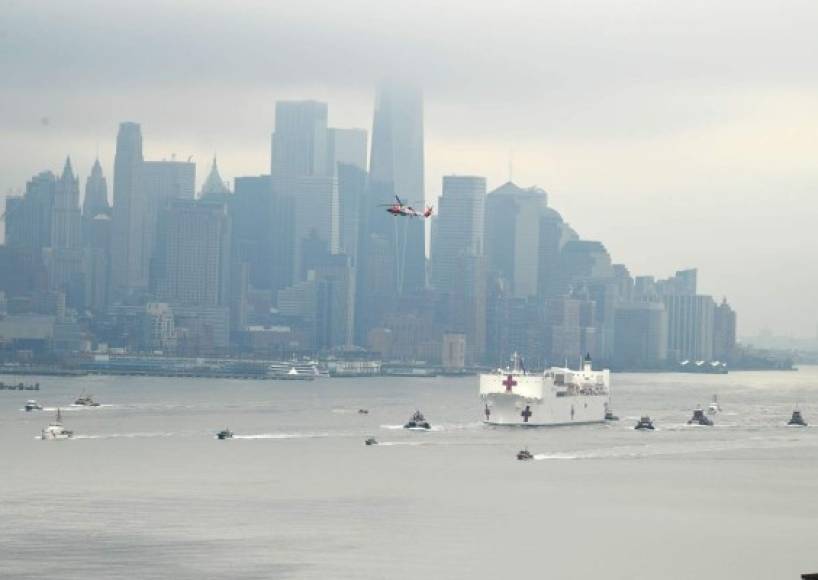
<point>144,490</point>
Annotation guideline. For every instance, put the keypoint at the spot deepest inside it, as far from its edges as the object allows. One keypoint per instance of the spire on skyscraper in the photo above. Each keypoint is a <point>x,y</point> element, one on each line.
<point>213,185</point>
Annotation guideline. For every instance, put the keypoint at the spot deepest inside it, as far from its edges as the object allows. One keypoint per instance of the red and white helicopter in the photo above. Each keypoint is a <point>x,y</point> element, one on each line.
<point>399,208</point>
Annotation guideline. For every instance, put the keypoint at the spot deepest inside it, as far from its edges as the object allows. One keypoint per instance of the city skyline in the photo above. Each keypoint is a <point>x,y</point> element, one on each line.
<point>708,164</point>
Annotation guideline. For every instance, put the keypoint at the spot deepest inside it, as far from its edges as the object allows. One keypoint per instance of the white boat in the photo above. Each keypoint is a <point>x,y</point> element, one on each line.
<point>297,370</point>
<point>557,396</point>
<point>56,430</point>
<point>714,407</point>
<point>33,405</point>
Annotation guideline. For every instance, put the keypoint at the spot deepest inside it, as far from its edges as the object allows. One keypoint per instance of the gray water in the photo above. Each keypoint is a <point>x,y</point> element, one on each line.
<point>146,491</point>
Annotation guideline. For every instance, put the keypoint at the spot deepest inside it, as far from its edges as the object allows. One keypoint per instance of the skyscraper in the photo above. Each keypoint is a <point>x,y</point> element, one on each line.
<point>458,227</point>
<point>66,221</point>
<point>28,218</point>
<point>129,264</point>
<point>193,251</point>
<point>299,143</point>
<point>397,168</point>
<point>346,146</point>
<point>96,194</point>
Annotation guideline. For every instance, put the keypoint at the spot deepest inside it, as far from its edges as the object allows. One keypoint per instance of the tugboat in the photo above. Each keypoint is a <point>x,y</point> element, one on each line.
<point>371,441</point>
<point>33,405</point>
<point>525,455</point>
<point>714,407</point>
<point>644,424</point>
<point>699,418</point>
<point>418,422</point>
<point>797,420</point>
<point>56,430</point>
<point>609,415</point>
<point>225,434</point>
<point>86,401</point>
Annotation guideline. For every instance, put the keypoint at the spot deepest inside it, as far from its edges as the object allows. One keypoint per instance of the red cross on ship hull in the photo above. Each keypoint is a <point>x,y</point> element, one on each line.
<point>509,382</point>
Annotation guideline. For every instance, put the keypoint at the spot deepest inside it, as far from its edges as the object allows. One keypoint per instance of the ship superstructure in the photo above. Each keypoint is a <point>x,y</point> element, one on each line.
<point>557,396</point>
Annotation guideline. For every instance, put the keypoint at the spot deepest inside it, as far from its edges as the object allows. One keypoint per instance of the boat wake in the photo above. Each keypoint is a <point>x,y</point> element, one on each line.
<point>282,436</point>
<point>125,435</point>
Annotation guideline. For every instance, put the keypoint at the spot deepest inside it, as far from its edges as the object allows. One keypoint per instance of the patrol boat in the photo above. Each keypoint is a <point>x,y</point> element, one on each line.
<point>557,396</point>
<point>644,424</point>
<point>33,405</point>
<point>85,401</point>
<point>524,455</point>
<point>699,418</point>
<point>417,423</point>
<point>56,430</point>
<point>224,434</point>
<point>797,420</point>
<point>714,407</point>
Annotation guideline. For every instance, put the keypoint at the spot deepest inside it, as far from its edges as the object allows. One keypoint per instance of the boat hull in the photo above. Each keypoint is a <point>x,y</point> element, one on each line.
<point>509,409</point>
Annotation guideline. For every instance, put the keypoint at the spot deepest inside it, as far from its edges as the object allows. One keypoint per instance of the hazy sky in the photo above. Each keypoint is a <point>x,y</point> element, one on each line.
<point>680,133</point>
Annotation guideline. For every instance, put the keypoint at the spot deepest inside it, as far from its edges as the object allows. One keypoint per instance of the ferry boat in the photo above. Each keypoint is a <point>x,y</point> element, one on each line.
<point>297,370</point>
<point>557,396</point>
<point>56,430</point>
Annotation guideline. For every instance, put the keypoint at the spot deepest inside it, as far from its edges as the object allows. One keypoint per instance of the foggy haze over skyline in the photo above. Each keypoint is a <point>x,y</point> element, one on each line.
<point>680,135</point>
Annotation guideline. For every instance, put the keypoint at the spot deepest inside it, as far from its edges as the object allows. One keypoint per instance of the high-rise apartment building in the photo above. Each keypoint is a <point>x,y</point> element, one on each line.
<point>690,327</point>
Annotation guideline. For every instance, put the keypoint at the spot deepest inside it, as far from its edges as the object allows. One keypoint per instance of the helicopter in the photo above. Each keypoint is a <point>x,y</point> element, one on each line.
<point>399,208</point>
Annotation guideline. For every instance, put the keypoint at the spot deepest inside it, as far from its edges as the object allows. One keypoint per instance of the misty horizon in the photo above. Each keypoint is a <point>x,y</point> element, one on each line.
<point>686,131</point>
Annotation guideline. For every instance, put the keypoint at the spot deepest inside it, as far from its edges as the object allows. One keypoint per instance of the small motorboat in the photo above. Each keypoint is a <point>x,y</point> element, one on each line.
<point>609,416</point>
<point>224,434</point>
<point>371,441</point>
<point>363,411</point>
<point>797,420</point>
<point>33,405</point>
<point>524,455</point>
<point>714,407</point>
<point>699,418</point>
<point>644,424</point>
<point>418,422</point>
<point>56,430</point>
<point>86,401</point>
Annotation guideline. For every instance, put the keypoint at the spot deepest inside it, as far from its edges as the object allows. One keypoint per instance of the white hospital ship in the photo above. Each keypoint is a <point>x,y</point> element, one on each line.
<point>557,396</point>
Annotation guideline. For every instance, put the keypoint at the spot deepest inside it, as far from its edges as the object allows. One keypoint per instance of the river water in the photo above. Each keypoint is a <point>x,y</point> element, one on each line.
<point>145,491</point>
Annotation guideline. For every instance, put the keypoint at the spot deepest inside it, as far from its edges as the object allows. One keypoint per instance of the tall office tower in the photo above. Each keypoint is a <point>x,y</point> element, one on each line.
<point>129,264</point>
<point>583,262</point>
<point>352,208</point>
<point>96,236</point>
<point>724,332</point>
<point>193,254</point>
<point>28,217</point>
<point>162,183</point>
<point>458,227</point>
<point>299,143</point>
<point>512,236</point>
<point>396,167</point>
<point>690,327</point>
<point>347,146</point>
<point>96,194</point>
<point>214,187</point>
<point>640,335</point>
<point>315,213</point>
<point>66,221</point>
<point>254,238</point>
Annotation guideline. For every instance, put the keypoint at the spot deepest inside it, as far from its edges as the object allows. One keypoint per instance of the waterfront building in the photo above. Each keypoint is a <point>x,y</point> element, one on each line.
<point>453,355</point>
<point>641,336</point>
<point>690,327</point>
<point>159,328</point>
<point>724,332</point>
